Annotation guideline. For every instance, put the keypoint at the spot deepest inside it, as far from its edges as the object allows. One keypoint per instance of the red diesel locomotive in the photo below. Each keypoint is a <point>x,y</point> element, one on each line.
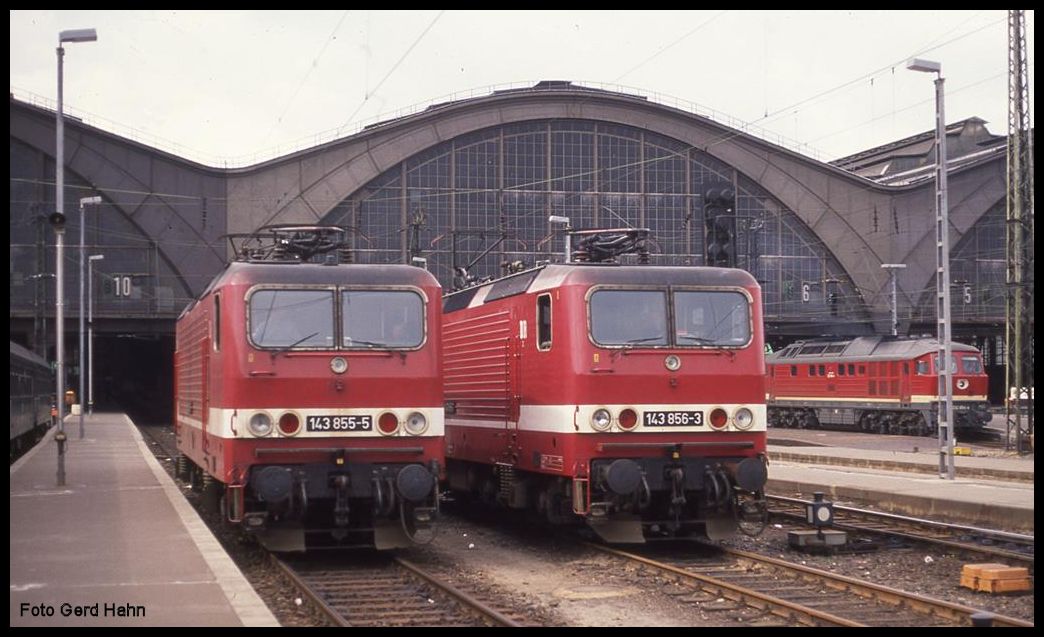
<point>629,397</point>
<point>878,384</point>
<point>308,395</point>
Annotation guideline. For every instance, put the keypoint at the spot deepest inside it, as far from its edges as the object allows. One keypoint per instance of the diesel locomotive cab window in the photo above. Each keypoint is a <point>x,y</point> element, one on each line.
<point>292,318</point>
<point>712,317</point>
<point>629,317</point>
<point>971,365</point>
<point>381,318</point>
<point>953,363</point>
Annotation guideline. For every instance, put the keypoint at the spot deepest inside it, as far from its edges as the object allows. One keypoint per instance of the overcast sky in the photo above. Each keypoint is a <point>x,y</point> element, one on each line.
<point>242,86</point>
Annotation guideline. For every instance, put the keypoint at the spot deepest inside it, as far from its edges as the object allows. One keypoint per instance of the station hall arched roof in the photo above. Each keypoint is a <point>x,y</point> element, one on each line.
<point>841,208</point>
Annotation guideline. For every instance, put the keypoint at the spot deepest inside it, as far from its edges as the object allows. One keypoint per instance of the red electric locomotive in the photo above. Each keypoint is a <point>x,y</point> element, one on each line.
<point>879,384</point>
<point>629,397</point>
<point>308,395</point>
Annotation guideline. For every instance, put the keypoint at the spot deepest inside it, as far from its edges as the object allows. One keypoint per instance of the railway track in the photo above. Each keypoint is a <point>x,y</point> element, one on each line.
<point>791,594</point>
<point>1013,547</point>
<point>385,590</point>
<point>156,441</point>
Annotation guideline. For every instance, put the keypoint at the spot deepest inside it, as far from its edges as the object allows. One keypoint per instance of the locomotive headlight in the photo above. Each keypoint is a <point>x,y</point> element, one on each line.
<point>672,363</point>
<point>260,424</point>
<point>338,365</point>
<point>416,424</point>
<point>601,419</point>
<point>743,419</point>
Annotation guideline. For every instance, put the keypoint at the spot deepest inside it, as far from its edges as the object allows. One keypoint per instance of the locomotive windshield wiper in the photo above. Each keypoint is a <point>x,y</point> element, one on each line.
<point>353,341</point>
<point>643,340</point>
<point>699,340</point>
<point>293,345</point>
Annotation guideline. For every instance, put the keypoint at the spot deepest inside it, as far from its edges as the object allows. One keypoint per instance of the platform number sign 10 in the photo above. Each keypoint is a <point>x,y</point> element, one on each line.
<point>122,286</point>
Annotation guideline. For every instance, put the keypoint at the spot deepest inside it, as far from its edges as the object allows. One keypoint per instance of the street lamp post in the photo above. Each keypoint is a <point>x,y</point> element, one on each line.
<point>942,276</point>
<point>84,202</point>
<point>58,219</point>
<point>90,327</point>
<point>892,267</point>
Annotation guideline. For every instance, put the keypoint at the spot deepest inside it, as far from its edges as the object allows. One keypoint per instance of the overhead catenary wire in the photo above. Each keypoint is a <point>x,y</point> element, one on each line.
<point>369,94</point>
<point>311,67</point>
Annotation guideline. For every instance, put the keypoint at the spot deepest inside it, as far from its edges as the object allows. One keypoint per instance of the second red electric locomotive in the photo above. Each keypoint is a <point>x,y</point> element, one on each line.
<point>308,395</point>
<point>627,397</point>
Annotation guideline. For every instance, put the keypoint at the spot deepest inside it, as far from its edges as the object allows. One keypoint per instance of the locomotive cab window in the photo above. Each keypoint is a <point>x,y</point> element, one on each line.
<point>711,317</point>
<point>971,364</point>
<point>381,319</point>
<point>701,318</point>
<point>289,318</point>
<point>953,363</point>
<point>544,322</point>
<point>629,317</point>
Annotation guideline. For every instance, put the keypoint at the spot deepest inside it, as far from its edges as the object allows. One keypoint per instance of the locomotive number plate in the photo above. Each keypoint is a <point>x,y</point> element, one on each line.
<point>672,418</point>
<point>339,423</point>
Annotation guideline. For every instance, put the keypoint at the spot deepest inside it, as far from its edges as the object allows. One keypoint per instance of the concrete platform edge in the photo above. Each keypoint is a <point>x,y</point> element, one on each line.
<point>897,465</point>
<point>980,514</point>
<point>241,595</point>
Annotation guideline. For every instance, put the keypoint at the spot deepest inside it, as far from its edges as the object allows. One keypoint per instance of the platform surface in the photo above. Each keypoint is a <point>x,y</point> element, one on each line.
<point>118,544</point>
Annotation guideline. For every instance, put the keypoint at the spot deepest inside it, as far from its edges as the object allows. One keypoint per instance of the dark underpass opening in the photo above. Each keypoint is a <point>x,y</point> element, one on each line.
<point>134,373</point>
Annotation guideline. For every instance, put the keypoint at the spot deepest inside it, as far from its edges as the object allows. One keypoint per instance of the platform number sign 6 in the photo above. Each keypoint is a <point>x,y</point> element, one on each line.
<point>806,292</point>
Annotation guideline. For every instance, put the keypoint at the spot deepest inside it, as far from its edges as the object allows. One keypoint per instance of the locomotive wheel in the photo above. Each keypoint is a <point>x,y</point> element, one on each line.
<point>871,422</point>
<point>181,467</point>
<point>196,478</point>
<point>882,425</point>
<point>211,491</point>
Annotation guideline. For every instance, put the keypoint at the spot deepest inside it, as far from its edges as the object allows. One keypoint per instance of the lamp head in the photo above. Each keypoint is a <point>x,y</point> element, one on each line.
<point>927,66</point>
<point>77,35</point>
